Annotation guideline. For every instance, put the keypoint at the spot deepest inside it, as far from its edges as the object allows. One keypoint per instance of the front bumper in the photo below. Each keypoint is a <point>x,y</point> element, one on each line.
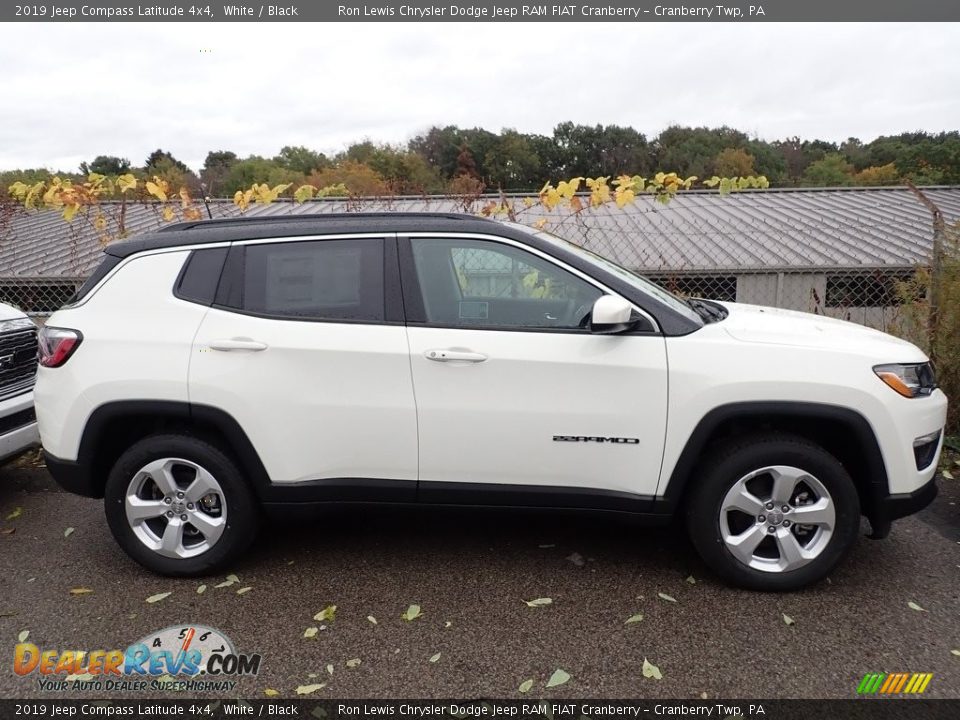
<point>897,506</point>
<point>886,509</point>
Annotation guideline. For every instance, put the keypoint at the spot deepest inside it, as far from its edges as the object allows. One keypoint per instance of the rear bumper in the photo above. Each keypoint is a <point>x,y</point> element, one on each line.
<point>73,477</point>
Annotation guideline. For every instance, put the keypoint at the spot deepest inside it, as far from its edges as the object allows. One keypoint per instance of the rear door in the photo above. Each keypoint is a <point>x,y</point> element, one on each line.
<point>515,396</point>
<point>306,348</point>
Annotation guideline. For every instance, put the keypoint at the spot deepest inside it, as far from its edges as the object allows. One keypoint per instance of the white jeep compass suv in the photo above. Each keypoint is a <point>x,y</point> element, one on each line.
<point>213,370</point>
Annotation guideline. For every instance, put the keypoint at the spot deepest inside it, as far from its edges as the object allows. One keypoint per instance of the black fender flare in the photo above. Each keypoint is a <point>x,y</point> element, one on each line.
<point>873,492</point>
<point>173,412</point>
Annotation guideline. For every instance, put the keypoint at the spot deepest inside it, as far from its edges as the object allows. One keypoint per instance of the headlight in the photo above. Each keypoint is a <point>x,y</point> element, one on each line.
<point>912,380</point>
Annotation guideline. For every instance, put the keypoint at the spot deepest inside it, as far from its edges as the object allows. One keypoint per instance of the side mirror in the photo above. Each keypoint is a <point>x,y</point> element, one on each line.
<point>610,315</point>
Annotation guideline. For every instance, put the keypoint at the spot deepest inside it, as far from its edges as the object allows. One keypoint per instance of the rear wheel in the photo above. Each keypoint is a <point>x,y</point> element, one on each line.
<point>179,506</point>
<point>775,513</point>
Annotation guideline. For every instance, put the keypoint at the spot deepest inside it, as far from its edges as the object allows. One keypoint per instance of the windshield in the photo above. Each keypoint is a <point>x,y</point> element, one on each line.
<point>637,281</point>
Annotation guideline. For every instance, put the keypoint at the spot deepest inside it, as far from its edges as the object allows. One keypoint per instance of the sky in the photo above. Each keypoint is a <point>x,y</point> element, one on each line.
<point>71,92</point>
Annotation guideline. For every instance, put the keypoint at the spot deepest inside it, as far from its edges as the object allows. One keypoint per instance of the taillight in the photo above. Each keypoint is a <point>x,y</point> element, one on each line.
<point>56,345</point>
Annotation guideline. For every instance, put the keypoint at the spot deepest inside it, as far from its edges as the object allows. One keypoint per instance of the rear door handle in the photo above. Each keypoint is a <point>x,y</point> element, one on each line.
<point>454,356</point>
<point>237,344</point>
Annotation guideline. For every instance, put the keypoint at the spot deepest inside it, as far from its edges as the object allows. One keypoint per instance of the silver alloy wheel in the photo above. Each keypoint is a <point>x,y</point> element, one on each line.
<point>176,508</point>
<point>777,518</point>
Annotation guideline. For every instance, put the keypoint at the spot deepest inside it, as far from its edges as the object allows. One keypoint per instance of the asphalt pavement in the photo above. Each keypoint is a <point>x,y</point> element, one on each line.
<point>471,573</point>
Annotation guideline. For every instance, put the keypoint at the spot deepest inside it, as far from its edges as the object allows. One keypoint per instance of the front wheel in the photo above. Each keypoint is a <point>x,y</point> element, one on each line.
<point>775,513</point>
<point>179,506</point>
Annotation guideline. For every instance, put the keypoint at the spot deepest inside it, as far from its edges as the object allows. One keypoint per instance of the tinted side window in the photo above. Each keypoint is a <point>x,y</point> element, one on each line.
<point>481,283</point>
<point>200,275</point>
<point>315,280</point>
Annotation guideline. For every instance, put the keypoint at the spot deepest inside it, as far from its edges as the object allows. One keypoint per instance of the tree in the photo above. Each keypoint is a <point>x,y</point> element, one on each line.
<point>768,161</point>
<point>215,170</point>
<point>256,169</point>
<point>175,173</point>
<point>359,179</point>
<point>612,150</point>
<point>791,150</point>
<point>512,163</point>
<point>733,162</point>
<point>691,151</point>
<point>162,158</point>
<point>29,177</point>
<point>404,171</point>
<point>301,159</point>
<point>799,154</point>
<point>623,150</point>
<point>855,153</point>
<point>930,159</point>
<point>878,175</point>
<point>440,148</point>
<point>106,165</point>
<point>831,171</point>
<point>466,165</point>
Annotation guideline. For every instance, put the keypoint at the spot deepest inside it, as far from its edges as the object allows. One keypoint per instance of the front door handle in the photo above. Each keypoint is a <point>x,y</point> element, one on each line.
<point>238,343</point>
<point>454,356</point>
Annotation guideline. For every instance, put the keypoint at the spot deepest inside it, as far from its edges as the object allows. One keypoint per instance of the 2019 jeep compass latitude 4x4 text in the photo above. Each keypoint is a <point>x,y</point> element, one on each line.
<point>213,369</point>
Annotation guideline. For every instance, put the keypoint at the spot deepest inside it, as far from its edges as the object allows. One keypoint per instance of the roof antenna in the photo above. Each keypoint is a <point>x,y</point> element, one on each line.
<point>206,200</point>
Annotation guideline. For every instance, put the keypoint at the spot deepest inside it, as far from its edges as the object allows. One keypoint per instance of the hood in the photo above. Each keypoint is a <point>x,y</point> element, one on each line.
<point>757,324</point>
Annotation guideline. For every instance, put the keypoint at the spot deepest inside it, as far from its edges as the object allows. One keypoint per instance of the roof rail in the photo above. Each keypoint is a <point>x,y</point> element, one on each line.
<point>311,217</point>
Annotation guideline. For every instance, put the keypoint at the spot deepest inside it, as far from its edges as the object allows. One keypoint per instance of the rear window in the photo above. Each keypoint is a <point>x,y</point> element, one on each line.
<point>327,280</point>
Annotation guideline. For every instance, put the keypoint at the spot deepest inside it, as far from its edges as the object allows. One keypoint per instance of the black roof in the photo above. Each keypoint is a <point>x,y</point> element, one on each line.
<point>202,232</point>
<point>260,227</point>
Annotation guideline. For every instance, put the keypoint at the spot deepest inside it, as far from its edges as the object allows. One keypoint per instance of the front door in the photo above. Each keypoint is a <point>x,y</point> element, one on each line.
<point>513,390</point>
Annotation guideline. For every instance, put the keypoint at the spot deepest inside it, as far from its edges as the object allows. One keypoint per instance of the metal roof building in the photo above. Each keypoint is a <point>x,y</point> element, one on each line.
<point>826,250</point>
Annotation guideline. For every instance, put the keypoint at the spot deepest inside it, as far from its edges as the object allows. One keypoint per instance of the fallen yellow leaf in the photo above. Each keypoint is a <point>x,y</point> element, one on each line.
<point>307,689</point>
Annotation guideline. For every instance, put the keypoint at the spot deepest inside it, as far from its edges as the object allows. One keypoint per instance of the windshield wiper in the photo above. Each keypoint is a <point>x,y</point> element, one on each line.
<point>707,310</point>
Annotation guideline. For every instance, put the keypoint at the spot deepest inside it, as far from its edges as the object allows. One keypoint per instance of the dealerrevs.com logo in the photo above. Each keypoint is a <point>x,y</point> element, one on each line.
<point>193,658</point>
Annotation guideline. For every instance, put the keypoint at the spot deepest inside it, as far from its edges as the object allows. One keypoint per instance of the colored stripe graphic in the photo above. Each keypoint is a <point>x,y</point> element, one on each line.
<point>865,683</point>
<point>901,681</point>
<point>894,683</point>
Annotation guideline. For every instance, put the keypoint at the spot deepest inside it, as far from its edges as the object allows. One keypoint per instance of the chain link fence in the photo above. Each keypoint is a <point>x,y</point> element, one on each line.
<point>38,297</point>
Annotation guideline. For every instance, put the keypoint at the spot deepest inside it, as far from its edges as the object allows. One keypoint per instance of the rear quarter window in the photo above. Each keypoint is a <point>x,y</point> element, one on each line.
<point>200,275</point>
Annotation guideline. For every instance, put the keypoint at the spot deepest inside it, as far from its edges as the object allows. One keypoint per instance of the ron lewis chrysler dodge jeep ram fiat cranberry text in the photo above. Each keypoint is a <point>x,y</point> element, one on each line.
<point>213,369</point>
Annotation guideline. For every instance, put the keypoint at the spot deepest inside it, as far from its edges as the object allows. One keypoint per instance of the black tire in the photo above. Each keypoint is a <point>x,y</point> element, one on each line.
<point>721,470</point>
<point>242,509</point>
